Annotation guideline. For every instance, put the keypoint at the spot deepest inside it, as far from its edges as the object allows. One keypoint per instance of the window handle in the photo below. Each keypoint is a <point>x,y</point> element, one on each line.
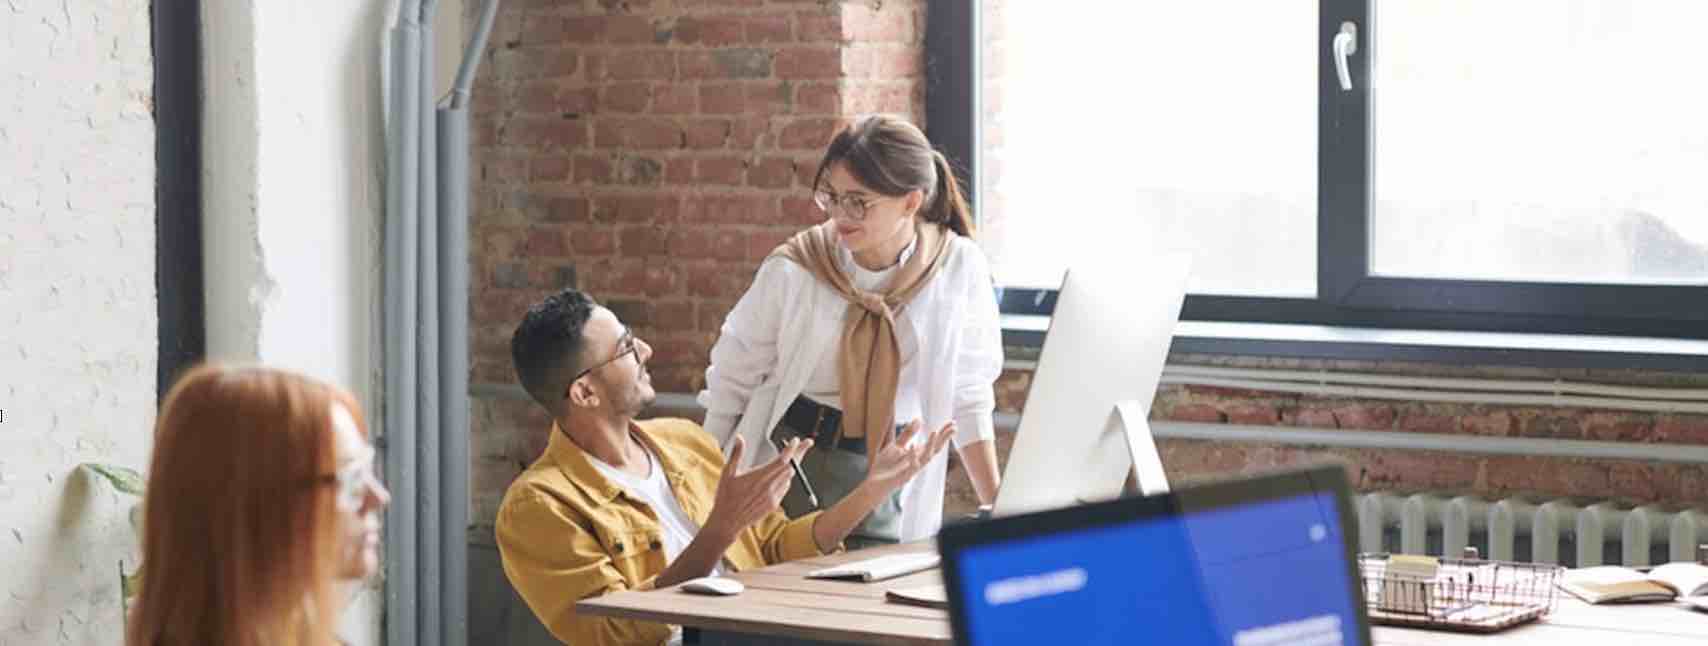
<point>1345,45</point>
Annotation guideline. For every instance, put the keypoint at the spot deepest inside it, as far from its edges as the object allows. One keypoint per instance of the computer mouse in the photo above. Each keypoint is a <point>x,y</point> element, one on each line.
<point>713,585</point>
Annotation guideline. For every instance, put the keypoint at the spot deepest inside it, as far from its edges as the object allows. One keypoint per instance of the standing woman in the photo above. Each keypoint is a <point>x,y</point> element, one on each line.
<point>883,315</point>
<point>261,501</point>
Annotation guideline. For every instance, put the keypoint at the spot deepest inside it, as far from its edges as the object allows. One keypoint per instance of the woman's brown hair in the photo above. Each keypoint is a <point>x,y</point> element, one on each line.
<point>891,156</point>
<point>240,539</point>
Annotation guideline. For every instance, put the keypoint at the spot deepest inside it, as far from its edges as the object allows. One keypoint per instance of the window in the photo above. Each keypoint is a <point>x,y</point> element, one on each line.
<point>1519,166</point>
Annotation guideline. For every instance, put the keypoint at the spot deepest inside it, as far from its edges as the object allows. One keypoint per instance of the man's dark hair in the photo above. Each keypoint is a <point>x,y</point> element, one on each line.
<point>548,344</point>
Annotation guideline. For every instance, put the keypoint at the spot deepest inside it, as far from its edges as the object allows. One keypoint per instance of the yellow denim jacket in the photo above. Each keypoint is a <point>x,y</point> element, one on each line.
<point>567,533</point>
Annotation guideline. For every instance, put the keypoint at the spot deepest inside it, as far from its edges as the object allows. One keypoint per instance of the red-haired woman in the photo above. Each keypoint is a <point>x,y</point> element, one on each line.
<point>261,498</point>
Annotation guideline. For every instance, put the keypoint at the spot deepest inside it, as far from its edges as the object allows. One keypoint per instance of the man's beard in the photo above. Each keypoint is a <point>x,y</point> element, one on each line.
<point>639,400</point>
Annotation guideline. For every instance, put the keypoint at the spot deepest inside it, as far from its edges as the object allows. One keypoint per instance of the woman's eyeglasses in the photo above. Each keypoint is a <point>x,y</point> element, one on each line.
<point>352,480</point>
<point>853,207</point>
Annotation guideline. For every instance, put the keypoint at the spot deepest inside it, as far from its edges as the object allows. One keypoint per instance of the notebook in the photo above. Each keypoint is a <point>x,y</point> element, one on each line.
<point>927,596</point>
<point>1614,584</point>
<point>878,569</point>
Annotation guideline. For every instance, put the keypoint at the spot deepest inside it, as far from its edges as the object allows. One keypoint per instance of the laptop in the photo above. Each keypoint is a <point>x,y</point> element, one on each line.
<point>1261,561</point>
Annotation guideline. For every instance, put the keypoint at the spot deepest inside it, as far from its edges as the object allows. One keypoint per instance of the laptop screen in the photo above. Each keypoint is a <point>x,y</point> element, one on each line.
<point>1237,565</point>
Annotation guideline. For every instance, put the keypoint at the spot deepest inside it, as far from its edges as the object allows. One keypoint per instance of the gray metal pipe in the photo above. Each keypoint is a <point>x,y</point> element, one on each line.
<point>426,343</point>
<point>392,342</point>
<point>454,361</point>
<point>454,188</point>
<point>428,501</point>
<point>402,255</point>
<point>472,56</point>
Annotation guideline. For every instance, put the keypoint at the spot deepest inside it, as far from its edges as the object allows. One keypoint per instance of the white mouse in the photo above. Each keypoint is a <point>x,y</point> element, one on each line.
<point>713,585</point>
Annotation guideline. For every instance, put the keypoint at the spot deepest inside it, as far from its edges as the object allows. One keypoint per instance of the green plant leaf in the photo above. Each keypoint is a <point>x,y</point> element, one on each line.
<point>129,585</point>
<point>123,479</point>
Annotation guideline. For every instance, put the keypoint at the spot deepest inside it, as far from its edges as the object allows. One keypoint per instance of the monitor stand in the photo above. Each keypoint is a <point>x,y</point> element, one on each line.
<point>1131,418</point>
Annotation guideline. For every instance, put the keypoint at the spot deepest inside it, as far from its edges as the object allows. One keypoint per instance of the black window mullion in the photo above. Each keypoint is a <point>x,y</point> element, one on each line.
<point>181,333</point>
<point>953,110</point>
<point>1343,154</point>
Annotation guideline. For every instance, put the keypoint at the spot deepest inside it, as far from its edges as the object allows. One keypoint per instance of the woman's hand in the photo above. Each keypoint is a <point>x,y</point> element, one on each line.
<point>898,459</point>
<point>895,463</point>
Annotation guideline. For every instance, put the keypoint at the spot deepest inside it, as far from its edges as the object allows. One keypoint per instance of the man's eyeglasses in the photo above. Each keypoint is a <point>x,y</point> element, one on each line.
<point>853,207</point>
<point>625,346</point>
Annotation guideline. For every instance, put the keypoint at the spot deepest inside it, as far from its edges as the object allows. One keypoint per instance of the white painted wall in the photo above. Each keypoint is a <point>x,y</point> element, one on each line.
<point>319,191</point>
<point>294,199</point>
<point>77,308</point>
<point>236,286</point>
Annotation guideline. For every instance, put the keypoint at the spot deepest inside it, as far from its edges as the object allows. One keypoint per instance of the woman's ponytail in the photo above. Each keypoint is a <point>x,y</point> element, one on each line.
<point>948,204</point>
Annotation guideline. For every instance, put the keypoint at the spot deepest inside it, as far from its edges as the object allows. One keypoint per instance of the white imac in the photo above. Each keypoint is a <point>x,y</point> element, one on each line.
<point>1083,429</point>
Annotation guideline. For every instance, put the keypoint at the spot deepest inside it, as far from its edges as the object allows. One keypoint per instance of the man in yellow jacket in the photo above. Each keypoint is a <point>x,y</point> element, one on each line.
<point>618,504</point>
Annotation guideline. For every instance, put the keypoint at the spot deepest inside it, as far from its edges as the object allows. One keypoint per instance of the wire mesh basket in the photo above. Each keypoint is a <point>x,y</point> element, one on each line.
<point>1463,594</point>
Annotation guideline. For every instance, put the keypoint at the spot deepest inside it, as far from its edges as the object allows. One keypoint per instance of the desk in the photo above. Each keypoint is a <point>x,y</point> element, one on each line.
<point>781,607</point>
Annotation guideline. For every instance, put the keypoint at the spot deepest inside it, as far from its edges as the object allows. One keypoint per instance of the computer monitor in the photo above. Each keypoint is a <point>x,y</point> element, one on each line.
<point>1257,562</point>
<point>1083,428</point>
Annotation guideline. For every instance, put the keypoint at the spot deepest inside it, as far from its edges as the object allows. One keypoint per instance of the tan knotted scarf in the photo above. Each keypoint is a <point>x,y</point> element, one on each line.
<point>870,362</point>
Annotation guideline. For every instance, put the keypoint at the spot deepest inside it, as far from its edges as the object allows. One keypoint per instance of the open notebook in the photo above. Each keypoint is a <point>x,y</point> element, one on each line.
<point>1614,584</point>
<point>928,596</point>
<point>879,568</point>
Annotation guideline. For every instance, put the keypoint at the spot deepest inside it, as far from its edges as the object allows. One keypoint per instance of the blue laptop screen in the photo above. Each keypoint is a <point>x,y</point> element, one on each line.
<point>1258,574</point>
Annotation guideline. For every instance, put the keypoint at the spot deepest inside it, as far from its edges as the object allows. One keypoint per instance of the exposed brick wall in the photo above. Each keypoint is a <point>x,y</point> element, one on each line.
<point>651,152</point>
<point>1490,476</point>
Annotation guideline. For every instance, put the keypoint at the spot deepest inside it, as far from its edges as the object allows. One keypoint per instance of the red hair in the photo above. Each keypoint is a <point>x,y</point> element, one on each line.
<point>240,540</point>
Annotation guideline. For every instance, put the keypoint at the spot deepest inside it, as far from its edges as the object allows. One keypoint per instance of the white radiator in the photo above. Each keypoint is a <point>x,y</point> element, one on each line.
<point>1511,525</point>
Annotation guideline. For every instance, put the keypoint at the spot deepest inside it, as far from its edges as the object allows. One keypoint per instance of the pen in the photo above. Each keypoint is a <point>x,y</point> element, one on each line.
<point>812,498</point>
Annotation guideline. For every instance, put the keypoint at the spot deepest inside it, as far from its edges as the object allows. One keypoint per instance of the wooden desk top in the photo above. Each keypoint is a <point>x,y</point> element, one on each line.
<point>779,602</point>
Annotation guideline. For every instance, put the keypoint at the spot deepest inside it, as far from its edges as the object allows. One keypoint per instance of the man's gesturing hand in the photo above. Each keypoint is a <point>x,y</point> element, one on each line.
<point>745,497</point>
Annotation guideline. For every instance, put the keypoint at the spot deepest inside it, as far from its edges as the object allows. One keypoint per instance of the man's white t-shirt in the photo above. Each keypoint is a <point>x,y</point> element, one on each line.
<point>654,490</point>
